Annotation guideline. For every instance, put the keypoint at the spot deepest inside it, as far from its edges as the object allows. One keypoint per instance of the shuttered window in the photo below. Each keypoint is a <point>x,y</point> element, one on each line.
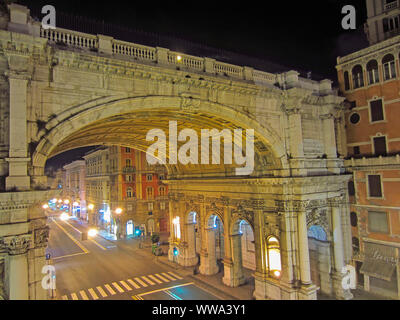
<point>380,146</point>
<point>377,111</point>
<point>378,222</point>
<point>375,187</point>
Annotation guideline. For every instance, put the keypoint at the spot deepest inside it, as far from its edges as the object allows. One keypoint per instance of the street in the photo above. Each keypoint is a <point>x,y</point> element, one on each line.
<point>98,269</point>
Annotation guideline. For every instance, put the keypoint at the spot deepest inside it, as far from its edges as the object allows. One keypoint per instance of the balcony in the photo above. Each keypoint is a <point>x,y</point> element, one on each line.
<point>129,170</point>
<point>391,5</point>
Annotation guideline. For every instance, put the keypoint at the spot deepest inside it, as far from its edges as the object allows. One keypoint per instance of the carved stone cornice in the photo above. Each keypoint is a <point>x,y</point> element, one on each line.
<point>41,237</point>
<point>337,201</point>
<point>318,218</point>
<point>326,116</point>
<point>242,214</point>
<point>16,245</point>
<point>292,205</point>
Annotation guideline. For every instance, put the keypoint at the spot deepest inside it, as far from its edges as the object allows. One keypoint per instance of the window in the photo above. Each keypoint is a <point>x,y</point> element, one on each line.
<point>162,191</point>
<point>358,77</point>
<point>377,110</point>
<point>378,222</point>
<point>149,177</point>
<point>150,206</point>
<point>274,257</point>
<point>127,150</point>
<point>380,146</point>
<point>162,205</point>
<point>355,118</point>
<point>161,177</point>
<point>150,193</point>
<point>129,178</point>
<point>352,190</point>
<point>389,67</point>
<point>354,219</point>
<point>390,24</point>
<point>373,72</point>
<point>129,193</point>
<point>177,228</point>
<point>128,163</point>
<point>356,151</point>
<point>375,186</point>
<point>356,245</point>
<point>346,81</point>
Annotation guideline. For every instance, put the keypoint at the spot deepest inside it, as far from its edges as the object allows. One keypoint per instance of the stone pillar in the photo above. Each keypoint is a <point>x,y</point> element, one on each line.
<point>162,55</point>
<point>324,261</point>
<point>208,259</point>
<point>18,150</point>
<point>188,256</point>
<point>233,271</point>
<point>296,133</point>
<point>105,44</point>
<point>338,251</point>
<point>308,290</point>
<point>17,266</point>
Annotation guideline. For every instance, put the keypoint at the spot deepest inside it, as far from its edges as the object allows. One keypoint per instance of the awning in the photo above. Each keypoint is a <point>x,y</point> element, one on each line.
<point>380,261</point>
<point>378,269</point>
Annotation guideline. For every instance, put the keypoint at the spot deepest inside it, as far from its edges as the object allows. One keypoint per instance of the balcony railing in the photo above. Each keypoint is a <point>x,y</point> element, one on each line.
<point>129,170</point>
<point>391,5</point>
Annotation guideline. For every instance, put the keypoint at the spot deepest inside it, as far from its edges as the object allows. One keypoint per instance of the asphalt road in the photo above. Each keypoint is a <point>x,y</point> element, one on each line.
<point>99,269</point>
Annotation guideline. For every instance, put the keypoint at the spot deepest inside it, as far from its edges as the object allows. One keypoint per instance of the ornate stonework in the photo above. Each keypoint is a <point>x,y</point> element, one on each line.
<point>16,245</point>
<point>42,237</point>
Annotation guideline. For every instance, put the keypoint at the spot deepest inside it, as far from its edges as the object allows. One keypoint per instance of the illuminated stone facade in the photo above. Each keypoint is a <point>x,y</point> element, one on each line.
<point>66,89</point>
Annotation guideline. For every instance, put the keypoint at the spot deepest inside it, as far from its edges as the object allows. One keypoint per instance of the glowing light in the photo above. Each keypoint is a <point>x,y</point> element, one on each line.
<point>54,200</point>
<point>64,217</point>
<point>215,222</point>
<point>66,202</point>
<point>176,252</point>
<point>277,273</point>
<point>179,58</point>
<point>59,201</point>
<point>45,206</point>
<point>92,233</point>
<point>177,227</point>
<point>90,206</point>
<point>118,211</point>
<point>75,204</point>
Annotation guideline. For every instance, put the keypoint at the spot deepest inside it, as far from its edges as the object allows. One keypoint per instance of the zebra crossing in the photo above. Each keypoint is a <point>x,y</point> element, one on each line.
<point>119,287</point>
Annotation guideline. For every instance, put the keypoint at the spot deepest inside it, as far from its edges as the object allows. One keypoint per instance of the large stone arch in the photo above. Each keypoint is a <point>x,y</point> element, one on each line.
<point>56,137</point>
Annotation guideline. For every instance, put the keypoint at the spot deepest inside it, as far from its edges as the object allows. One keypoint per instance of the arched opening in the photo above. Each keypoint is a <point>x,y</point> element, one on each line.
<point>389,67</point>
<point>373,72</point>
<point>320,258</point>
<point>358,77</point>
<point>274,262</point>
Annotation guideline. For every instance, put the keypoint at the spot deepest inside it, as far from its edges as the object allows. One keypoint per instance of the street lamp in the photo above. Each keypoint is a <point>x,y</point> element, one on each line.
<point>90,206</point>
<point>45,206</point>
<point>118,211</point>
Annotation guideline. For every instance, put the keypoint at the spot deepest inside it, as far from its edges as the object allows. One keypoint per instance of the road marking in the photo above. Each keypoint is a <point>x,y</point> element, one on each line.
<point>148,280</point>
<point>93,294</point>
<point>155,279</point>
<point>64,297</point>
<point>141,282</point>
<point>72,238</point>
<point>168,276</point>
<point>160,290</point>
<point>162,278</point>
<point>98,244</point>
<point>173,295</point>
<point>126,285</point>
<point>74,296</point>
<point>70,255</point>
<point>83,295</point>
<point>103,294</point>
<point>174,275</point>
<point>118,287</point>
<point>133,284</point>
<point>73,227</point>
<point>137,298</point>
<point>110,290</point>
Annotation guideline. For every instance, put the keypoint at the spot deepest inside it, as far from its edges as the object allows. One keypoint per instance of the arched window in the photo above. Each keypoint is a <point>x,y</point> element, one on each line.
<point>274,257</point>
<point>389,67</point>
<point>161,191</point>
<point>354,219</point>
<point>373,72</point>
<point>358,77</point>
<point>150,192</point>
<point>346,81</point>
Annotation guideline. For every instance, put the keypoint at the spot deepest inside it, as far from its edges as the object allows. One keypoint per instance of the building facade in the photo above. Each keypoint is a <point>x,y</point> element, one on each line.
<point>74,188</point>
<point>370,80</point>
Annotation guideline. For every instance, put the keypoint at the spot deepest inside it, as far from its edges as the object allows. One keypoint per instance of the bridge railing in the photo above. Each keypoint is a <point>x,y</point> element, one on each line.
<point>70,38</point>
<point>164,56</point>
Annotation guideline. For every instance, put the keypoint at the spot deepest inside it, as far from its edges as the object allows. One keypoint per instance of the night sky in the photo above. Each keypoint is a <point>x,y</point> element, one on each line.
<point>303,35</point>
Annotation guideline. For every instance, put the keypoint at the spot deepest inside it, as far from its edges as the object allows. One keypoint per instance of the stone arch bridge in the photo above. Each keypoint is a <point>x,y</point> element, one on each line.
<point>61,89</point>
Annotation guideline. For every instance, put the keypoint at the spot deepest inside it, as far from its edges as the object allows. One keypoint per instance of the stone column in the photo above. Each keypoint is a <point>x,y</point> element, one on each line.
<point>188,256</point>
<point>17,268</point>
<point>233,276</point>
<point>328,127</point>
<point>208,261</point>
<point>338,251</point>
<point>308,290</point>
<point>260,276</point>
<point>18,150</point>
